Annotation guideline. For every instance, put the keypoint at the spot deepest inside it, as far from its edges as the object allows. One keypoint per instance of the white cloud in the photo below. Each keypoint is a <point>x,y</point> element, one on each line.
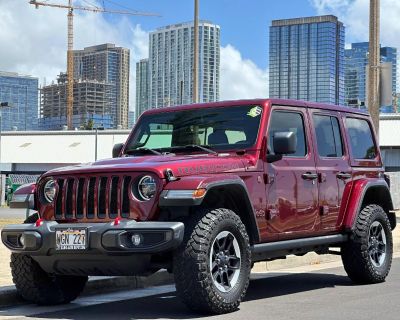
<point>241,78</point>
<point>34,41</point>
<point>355,15</point>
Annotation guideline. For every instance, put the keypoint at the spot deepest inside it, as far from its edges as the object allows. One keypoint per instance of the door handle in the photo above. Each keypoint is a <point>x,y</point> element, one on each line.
<point>343,175</point>
<point>309,176</point>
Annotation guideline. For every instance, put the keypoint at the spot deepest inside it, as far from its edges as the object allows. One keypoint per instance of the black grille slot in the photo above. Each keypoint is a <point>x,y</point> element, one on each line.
<point>125,212</point>
<point>90,198</point>
<point>113,211</point>
<point>58,208</point>
<point>68,201</point>
<point>102,198</point>
<point>79,198</point>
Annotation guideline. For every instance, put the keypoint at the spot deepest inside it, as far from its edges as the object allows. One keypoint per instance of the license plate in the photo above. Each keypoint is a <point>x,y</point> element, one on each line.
<point>71,239</point>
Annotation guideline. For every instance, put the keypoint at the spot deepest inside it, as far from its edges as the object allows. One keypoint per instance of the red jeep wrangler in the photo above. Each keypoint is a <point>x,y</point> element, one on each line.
<point>205,191</point>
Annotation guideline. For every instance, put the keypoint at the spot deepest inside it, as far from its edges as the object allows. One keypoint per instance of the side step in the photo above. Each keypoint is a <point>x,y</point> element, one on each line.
<point>270,250</point>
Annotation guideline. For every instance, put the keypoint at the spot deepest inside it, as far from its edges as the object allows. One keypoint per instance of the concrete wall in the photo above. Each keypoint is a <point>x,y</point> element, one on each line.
<point>395,188</point>
<point>58,147</point>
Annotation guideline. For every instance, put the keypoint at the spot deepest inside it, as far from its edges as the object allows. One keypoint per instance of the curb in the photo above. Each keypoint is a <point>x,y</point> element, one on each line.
<point>95,285</point>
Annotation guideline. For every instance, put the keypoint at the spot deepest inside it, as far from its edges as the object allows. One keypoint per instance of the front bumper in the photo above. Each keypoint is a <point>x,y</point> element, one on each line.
<point>103,238</point>
<point>110,250</point>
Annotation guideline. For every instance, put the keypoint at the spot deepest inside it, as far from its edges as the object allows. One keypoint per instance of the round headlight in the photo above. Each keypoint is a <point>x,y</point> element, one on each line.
<point>147,187</point>
<point>49,190</point>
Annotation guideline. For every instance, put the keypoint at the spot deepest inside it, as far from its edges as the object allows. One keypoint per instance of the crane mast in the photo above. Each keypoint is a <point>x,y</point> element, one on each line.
<point>70,66</point>
<point>70,54</point>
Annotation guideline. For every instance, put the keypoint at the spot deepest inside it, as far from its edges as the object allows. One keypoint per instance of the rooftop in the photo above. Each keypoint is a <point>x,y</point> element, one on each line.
<point>15,75</point>
<point>185,24</point>
<point>317,19</point>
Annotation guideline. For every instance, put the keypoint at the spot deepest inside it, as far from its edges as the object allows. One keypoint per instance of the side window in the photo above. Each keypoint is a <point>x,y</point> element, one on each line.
<point>327,131</point>
<point>361,142</point>
<point>288,121</point>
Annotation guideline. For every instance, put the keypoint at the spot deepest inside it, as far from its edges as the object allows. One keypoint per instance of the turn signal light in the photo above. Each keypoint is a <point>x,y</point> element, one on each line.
<point>199,193</point>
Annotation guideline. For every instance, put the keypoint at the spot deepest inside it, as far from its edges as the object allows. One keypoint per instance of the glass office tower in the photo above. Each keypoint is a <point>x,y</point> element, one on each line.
<point>356,61</point>
<point>21,92</point>
<point>306,59</point>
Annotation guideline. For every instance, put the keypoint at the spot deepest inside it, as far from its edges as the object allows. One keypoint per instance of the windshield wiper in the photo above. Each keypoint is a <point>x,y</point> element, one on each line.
<point>133,151</point>
<point>195,146</point>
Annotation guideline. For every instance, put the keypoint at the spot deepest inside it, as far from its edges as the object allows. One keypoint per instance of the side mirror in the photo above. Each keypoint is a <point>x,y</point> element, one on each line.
<point>117,150</point>
<point>284,143</point>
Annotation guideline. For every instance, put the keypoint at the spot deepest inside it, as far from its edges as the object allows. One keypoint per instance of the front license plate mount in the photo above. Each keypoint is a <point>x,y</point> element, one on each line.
<point>71,239</point>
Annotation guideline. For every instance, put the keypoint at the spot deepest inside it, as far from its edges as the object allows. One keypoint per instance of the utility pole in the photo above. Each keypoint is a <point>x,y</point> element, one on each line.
<point>196,53</point>
<point>374,63</point>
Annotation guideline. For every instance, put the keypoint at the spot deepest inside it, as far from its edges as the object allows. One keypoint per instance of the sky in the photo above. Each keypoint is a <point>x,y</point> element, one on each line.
<point>33,41</point>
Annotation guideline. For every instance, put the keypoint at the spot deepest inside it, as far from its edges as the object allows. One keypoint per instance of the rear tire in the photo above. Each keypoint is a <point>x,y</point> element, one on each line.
<point>212,266</point>
<point>37,286</point>
<point>367,257</point>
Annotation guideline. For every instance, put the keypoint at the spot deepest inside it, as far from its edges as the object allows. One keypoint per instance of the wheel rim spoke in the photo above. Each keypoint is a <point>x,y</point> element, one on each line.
<point>225,261</point>
<point>377,244</point>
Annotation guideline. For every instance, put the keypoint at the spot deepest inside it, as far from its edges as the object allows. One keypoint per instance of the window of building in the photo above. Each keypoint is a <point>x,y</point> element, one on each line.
<point>283,121</point>
<point>361,141</point>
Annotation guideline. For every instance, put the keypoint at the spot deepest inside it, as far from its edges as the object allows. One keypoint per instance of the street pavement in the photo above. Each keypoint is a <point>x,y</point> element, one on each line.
<point>316,293</point>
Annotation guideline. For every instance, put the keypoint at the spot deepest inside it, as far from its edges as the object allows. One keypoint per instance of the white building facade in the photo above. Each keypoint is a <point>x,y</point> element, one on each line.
<point>170,68</point>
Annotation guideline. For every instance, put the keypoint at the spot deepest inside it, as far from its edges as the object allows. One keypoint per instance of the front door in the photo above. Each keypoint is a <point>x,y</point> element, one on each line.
<point>332,163</point>
<point>291,183</point>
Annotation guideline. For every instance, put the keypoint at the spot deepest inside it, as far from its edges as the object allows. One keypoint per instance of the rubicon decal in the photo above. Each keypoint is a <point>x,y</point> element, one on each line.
<point>209,168</point>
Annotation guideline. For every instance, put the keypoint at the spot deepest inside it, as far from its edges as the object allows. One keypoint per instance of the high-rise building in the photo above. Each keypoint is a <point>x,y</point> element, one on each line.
<point>170,69</point>
<point>21,93</point>
<point>356,61</point>
<point>131,119</point>
<point>93,101</point>
<point>110,64</point>
<point>306,59</point>
<point>142,86</point>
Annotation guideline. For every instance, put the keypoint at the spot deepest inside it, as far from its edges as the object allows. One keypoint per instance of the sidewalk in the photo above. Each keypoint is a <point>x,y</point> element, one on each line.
<point>5,272</point>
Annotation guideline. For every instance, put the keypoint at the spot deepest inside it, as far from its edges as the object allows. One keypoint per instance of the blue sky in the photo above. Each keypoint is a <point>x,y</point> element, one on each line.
<point>244,24</point>
<point>34,41</point>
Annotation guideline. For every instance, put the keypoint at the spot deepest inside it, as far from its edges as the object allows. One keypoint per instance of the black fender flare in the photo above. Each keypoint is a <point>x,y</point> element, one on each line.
<point>237,190</point>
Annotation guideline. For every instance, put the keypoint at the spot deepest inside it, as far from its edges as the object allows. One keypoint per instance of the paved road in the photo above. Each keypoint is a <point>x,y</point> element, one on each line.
<point>325,294</point>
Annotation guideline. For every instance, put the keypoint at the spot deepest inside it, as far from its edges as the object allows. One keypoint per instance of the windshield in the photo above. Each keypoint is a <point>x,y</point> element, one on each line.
<point>223,128</point>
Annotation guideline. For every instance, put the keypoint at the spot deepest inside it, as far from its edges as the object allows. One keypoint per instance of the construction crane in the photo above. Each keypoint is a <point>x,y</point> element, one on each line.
<point>70,58</point>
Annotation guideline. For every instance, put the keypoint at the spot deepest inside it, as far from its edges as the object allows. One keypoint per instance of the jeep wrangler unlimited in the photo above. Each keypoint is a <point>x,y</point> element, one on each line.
<point>205,191</point>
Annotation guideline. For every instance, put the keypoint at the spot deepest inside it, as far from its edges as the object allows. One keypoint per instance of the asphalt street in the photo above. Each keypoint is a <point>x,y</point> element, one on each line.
<point>323,294</point>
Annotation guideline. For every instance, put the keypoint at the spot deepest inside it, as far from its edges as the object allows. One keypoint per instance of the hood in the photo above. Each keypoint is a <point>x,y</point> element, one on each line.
<point>181,165</point>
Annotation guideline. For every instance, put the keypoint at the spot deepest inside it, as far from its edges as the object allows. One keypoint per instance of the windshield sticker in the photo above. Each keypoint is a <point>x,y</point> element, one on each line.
<point>254,112</point>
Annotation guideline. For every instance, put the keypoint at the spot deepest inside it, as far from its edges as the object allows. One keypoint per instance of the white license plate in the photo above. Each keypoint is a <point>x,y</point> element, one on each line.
<point>71,239</point>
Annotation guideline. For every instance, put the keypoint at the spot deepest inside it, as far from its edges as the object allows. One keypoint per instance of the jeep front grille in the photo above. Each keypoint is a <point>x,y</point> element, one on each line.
<point>92,197</point>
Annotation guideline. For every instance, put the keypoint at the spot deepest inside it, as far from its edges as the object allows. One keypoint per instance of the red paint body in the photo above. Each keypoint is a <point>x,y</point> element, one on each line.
<point>285,205</point>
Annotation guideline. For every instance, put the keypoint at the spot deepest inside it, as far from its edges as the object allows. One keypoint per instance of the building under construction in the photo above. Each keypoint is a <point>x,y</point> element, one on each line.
<point>110,64</point>
<point>93,102</point>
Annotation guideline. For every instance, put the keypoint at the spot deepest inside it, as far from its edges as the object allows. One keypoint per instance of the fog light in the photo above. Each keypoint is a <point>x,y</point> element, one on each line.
<point>21,240</point>
<point>136,239</point>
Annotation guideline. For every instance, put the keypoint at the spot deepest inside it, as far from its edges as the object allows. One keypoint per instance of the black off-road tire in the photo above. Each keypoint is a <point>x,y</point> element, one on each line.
<point>355,253</point>
<point>37,286</point>
<point>193,279</point>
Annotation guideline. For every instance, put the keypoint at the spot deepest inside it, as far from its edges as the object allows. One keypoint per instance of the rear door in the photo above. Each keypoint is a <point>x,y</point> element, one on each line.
<point>292,191</point>
<point>332,165</point>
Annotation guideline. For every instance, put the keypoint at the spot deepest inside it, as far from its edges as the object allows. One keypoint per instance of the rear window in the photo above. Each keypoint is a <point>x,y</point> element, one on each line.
<point>361,141</point>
